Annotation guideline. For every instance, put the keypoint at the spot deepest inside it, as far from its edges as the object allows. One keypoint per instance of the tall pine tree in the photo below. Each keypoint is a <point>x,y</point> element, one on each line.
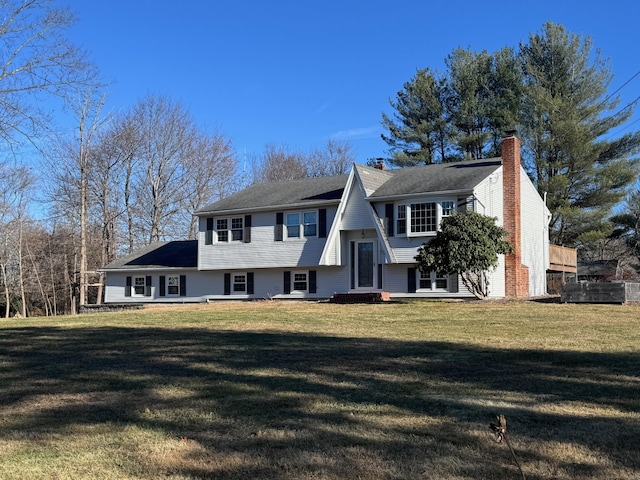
<point>417,132</point>
<point>565,122</point>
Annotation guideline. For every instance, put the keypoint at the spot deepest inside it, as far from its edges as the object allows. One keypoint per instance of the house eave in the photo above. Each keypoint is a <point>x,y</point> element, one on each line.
<point>466,191</point>
<point>268,208</point>
<point>138,268</point>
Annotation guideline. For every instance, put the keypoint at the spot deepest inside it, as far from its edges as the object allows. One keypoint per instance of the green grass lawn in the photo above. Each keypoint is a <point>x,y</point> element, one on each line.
<point>282,390</point>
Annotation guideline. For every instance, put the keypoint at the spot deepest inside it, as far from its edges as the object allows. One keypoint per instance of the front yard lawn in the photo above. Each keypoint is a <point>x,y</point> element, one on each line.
<point>277,390</point>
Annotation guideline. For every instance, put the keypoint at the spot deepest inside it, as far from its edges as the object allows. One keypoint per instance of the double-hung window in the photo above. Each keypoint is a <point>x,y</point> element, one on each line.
<point>401,223</point>
<point>139,286</point>
<point>173,285</point>
<point>448,207</point>
<point>432,281</point>
<point>230,229</point>
<point>300,281</point>
<point>293,225</point>
<point>239,282</point>
<point>303,224</point>
<point>310,224</point>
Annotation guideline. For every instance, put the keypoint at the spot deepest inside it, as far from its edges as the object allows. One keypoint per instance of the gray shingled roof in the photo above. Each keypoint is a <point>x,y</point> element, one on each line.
<point>439,177</point>
<point>373,178</point>
<point>177,254</point>
<point>282,194</point>
<point>377,183</point>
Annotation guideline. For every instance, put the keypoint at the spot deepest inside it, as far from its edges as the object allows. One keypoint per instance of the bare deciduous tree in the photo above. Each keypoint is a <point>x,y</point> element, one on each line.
<point>210,172</point>
<point>36,60</point>
<point>335,158</point>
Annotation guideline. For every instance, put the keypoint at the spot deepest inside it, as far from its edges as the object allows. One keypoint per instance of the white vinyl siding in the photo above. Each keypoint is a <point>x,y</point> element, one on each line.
<point>263,251</point>
<point>535,236</point>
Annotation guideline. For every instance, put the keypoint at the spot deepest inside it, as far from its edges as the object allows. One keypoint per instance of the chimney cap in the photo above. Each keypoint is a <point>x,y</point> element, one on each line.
<point>510,132</point>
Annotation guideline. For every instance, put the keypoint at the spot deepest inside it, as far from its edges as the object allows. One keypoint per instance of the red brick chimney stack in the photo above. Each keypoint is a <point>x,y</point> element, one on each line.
<point>516,274</point>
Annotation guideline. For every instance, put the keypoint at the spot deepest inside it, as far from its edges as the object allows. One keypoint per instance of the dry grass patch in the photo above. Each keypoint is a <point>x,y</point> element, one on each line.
<point>302,390</point>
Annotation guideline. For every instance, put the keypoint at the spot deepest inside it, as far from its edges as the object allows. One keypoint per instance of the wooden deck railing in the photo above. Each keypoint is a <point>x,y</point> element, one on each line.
<point>563,259</point>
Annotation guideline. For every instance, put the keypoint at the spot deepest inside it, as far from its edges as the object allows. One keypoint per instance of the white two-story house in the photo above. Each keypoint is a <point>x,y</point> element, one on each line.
<point>311,238</point>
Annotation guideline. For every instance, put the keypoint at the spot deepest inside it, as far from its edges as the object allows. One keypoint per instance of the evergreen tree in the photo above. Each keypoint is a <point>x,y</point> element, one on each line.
<point>467,244</point>
<point>566,117</point>
<point>417,132</point>
<point>458,116</point>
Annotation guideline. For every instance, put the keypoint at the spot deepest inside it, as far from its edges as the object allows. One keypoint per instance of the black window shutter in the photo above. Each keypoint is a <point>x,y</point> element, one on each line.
<point>287,282</point>
<point>183,285</point>
<point>453,283</point>
<point>162,286</point>
<point>389,207</point>
<point>313,286</point>
<point>279,226</point>
<point>411,280</point>
<point>322,223</point>
<point>250,283</point>
<point>247,229</point>
<point>127,288</point>
<point>380,276</point>
<point>147,289</point>
<point>208,236</point>
<point>227,284</point>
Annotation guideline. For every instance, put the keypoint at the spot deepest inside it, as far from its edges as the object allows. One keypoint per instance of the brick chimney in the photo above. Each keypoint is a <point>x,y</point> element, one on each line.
<point>516,274</point>
<point>379,165</point>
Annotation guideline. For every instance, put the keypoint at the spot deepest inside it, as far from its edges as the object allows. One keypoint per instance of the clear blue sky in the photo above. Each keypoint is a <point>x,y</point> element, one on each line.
<point>299,72</point>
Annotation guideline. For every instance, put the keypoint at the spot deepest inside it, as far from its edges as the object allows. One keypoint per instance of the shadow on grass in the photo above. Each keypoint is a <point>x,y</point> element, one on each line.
<point>344,407</point>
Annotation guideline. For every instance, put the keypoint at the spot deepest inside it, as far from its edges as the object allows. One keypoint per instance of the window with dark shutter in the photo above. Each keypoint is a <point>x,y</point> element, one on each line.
<point>313,286</point>
<point>279,232</point>
<point>227,284</point>
<point>322,223</point>
<point>147,283</point>
<point>127,288</point>
<point>250,283</point>
<point>208,235</point>
<point>247,229</point>
<point>388,211</point>
<point>411,280</point>
<point>287,282</point>
<point>183,285</point>
<point>163,283</point>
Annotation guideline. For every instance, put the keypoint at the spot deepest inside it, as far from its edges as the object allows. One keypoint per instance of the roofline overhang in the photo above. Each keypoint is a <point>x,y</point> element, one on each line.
<point>421,194</point>
<point>269,208</point>
<point>143,268</point>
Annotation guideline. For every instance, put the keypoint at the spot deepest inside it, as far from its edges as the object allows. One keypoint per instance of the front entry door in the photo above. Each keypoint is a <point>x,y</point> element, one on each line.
<point>365,264</point>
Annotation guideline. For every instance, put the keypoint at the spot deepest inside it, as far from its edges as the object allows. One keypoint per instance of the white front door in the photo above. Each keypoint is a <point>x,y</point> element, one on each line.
<point>365,265</point>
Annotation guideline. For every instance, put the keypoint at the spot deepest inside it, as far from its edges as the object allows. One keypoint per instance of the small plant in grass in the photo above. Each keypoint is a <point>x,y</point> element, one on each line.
<point>500,429</point>
<point>467,244</point>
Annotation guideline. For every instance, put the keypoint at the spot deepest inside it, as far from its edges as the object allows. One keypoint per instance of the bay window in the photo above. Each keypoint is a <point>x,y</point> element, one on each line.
<point>422,218</point>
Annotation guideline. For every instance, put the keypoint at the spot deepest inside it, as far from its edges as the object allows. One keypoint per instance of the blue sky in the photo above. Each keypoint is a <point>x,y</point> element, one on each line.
<point>297,73</point>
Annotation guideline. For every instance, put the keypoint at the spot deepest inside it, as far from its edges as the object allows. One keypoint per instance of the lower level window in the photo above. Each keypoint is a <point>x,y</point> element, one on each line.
<point>240,282</point>
<point>173,285</point>
<point>432,281</point>
<point>139,286</point>
<point>300,281</point>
